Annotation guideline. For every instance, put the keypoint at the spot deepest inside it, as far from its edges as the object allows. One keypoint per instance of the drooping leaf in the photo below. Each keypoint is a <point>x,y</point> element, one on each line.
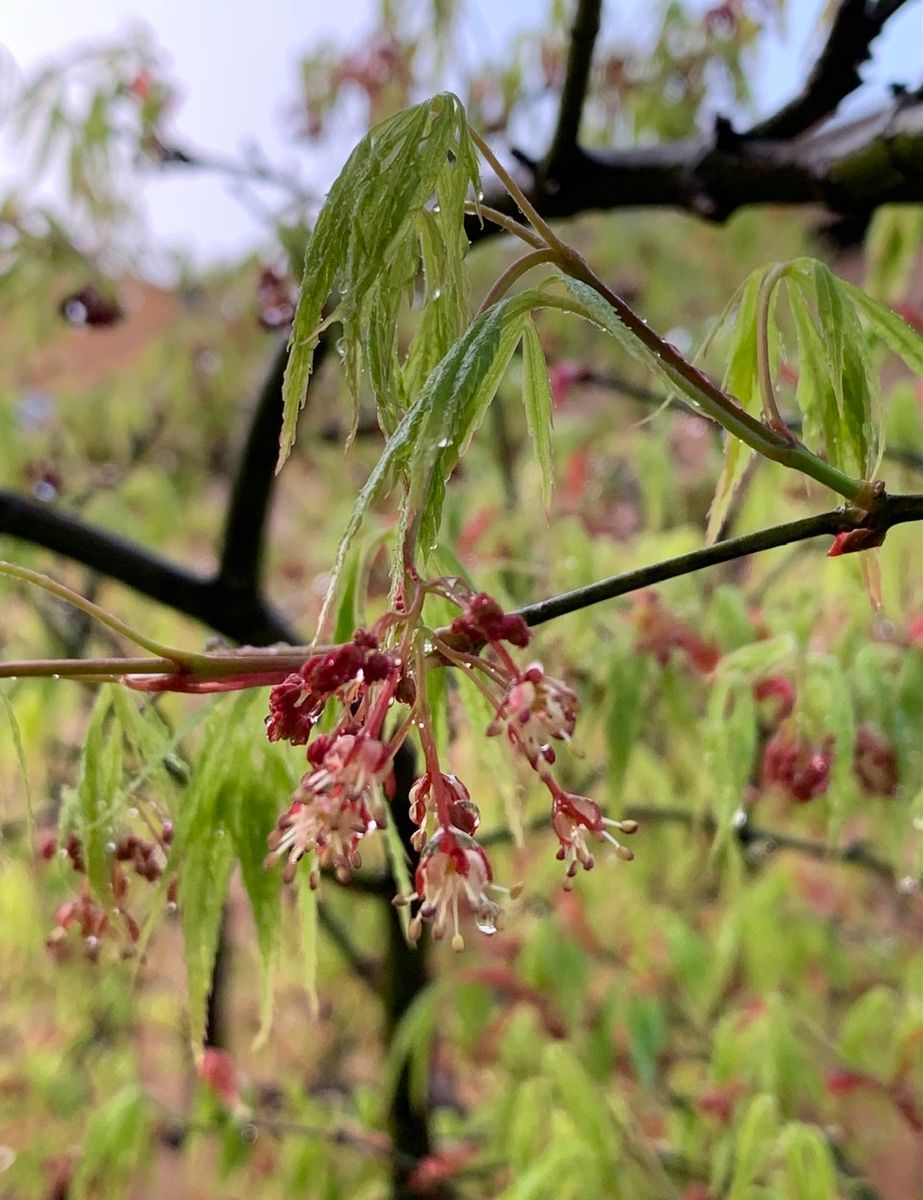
<point>536,398</point>
<point>253,812</point>
<point>742,381</point>
<point>892,329</point>
<point>364,247</point>
<point>754,1142</point>
<point>16,734</point>
<point>204,847</point>
<point>97,794</point>
<point>434,432</point>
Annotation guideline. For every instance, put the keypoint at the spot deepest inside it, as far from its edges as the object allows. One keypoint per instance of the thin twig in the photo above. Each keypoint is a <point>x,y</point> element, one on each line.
<point>835,74</point>
<point>893,510</point>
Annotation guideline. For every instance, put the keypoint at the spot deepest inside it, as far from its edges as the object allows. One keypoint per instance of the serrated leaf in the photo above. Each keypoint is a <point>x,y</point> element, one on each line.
<point>868,1038</point>
<point>536,398</point>
<point>433,433</point>
<point>847,365</point>
<point>364,244</point>
<point>815,395</point>
<point>892,329</point>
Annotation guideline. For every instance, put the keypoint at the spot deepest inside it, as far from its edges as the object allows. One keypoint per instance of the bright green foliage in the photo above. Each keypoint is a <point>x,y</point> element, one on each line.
<point>365,250</point>
<point>94,812</point>
<point>536,396</point>
<point>116,1140</point>
<point>231,801</point>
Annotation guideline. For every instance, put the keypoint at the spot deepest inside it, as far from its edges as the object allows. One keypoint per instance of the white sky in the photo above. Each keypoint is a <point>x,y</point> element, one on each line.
<point>235,62</point>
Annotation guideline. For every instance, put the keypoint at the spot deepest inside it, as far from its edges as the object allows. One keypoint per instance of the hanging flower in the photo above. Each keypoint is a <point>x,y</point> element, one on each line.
<point>576,819</point>
<point>453,870</point>
<point>534,709</point>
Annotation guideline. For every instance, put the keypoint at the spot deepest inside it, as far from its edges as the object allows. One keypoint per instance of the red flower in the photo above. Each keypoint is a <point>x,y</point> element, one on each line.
<point>453,870</point>
<point>799,767</point>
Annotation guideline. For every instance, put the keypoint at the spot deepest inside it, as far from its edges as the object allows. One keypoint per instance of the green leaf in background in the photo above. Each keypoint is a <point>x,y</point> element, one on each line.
<point>97,794</point>
<point>893,330</point>
<point>628,674</point>
<point>891,247</point>
<point>755,1140</point>
<point>116,1139</point>
<point>16,735</point>
<point>253,812</point>
<point>364,244</point>
<point>536,397</point>
<point>435,430</point>
<point>646,1035</point>
<point>203,845</point>
<point>810,1171</point>
<point>868,1034</point>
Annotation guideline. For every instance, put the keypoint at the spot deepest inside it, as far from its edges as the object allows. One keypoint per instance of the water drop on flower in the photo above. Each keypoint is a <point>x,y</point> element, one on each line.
<point>437,293</point>
<point>442,443</point>
<point>486,925</point>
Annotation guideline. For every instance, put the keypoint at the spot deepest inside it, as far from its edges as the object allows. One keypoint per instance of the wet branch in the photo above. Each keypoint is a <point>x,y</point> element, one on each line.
<point>891,510</point>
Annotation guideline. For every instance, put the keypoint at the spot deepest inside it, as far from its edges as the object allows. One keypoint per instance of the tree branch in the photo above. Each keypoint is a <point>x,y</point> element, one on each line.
<point>254,481</point>
<point>835,74</point>
<point>583,34</point>
<point>849,168</point>
<point>236,615</point>
<point>891,510</point>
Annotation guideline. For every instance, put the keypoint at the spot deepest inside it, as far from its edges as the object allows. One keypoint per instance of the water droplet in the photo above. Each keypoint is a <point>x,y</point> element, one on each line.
<point>110,847</point>
<point>486,925</point>
<point>442,443</point>
<point>436,208</point>
<point>739,819</point>
<point>480,196</point>
<point>172,906</point>
<point>437,293</point>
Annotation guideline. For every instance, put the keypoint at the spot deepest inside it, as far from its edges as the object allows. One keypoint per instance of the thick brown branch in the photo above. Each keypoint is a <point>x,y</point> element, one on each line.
<point>835,75</point>
<point>849,168</point>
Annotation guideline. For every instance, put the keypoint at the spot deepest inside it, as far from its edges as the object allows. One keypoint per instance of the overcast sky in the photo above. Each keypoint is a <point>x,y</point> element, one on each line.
<point>235,62</point>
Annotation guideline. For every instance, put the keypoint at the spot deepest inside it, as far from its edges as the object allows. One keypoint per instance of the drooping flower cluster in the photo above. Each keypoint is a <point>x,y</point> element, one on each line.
<point>129,855</point>
<point>380,674</point>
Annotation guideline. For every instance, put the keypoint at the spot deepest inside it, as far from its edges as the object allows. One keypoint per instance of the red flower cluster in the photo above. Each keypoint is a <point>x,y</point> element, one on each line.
<point>797,766</point>
<point>147,858</point>
<point>339,801</point>
<point>662,633</point>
